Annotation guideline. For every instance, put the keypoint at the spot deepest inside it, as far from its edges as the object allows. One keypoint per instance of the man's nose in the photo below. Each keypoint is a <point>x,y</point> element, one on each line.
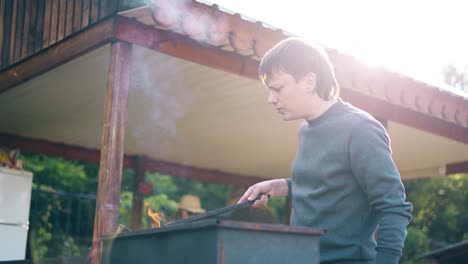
<point>272,99</point>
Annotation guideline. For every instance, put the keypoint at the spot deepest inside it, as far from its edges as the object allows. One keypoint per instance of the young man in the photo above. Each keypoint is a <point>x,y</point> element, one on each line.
<point>343,176</point>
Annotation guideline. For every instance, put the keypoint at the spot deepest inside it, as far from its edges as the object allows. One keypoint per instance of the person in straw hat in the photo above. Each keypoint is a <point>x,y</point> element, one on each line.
<point>189,205</point>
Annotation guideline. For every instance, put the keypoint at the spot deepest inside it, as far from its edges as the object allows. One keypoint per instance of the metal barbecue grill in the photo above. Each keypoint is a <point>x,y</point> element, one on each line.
<point>202,240</point>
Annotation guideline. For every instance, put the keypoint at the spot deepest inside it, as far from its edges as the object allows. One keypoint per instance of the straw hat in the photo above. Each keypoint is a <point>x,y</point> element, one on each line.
<point>191,203</point>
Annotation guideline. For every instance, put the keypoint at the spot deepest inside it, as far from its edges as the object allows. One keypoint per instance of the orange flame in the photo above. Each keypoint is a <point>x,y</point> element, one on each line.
<point>156,217</point>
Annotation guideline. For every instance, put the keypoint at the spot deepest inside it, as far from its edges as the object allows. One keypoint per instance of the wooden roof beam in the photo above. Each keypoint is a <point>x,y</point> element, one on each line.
<point>185,48</point>
<point>407,117</point>
<point>456,167</point>
<point>53,149</point>
<point>70,152</point>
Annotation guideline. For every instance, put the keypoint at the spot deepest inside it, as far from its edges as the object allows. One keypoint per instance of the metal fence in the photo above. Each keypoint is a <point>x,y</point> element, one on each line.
<point>61,223</point>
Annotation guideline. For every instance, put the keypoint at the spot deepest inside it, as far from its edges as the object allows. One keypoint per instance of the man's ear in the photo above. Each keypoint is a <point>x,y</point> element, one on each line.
<point>311,82</point>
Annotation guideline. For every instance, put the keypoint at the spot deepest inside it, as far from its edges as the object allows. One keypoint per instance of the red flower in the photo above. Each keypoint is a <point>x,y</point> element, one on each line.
<point>145,187</point>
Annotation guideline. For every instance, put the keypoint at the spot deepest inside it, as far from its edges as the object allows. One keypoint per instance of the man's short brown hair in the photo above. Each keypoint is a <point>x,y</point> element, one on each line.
<point>298,58</point>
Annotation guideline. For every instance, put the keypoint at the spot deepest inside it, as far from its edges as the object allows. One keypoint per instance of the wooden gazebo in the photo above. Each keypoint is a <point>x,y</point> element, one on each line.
<point>172,87</point>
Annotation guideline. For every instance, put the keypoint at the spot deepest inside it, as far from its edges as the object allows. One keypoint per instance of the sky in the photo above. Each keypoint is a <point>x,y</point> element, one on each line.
<point>417,38</point>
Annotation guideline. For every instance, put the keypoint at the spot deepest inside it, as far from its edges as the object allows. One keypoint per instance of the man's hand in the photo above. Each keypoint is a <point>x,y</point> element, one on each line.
<point>277,187</point>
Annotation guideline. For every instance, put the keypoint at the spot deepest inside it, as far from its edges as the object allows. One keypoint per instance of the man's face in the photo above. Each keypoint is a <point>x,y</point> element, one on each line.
<point>290,98</point>
<point>184,214</point>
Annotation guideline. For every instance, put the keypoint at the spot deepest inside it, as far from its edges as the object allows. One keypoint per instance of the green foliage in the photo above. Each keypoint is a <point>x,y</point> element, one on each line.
<point>39,238</point>
<point>415,245</point>
<point>439,214</point>
<point>47,240</point>
<point>159,202</point>
<point>51,176</point>
<point>278,205</point>
<point>125,208</point>
<point>212,196</point>
<point>57,173</point>
<point>438,209</point>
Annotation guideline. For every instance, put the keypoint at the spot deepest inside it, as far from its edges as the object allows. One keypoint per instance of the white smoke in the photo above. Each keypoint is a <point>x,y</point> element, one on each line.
<point>199,23</point>
<point>162,96</point>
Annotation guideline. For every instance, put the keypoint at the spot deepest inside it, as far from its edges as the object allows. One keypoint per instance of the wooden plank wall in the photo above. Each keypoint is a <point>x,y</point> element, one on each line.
<point>28,26</point>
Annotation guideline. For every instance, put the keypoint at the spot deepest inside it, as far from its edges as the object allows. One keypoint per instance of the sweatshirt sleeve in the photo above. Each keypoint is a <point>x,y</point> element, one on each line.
<point>372,165</point>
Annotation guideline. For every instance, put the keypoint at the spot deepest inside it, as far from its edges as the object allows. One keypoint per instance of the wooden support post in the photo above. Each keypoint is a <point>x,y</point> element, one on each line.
<point>137,201</point>
<point>112,146</point>
<point>288,209</point>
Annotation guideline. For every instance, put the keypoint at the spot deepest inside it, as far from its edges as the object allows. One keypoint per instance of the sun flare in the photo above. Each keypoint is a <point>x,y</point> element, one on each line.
<point>417,38</point>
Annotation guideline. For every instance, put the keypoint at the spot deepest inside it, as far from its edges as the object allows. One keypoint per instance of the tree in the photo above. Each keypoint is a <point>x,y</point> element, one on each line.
<point>55,183</point>
<point>415,245</point>
<point>439,207</point>
<point>439,215</point>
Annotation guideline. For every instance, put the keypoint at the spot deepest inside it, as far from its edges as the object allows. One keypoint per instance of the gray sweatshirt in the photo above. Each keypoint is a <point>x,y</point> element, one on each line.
<point>344,180</point>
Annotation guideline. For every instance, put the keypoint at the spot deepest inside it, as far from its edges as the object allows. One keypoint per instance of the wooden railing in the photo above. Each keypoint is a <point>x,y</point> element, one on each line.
<point>29,26</point>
